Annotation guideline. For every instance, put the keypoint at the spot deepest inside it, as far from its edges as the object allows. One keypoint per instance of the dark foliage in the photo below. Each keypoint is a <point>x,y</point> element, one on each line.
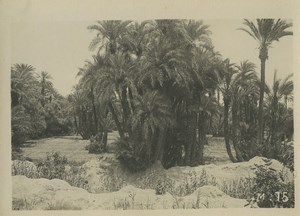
<point>271,189</point>
<point>96,145</point>
<point>53,166</point>
<point>131,158</point>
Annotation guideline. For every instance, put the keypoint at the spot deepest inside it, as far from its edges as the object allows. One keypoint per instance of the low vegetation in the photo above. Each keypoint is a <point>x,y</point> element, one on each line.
<point>54,166</point>
<point>271,190</point>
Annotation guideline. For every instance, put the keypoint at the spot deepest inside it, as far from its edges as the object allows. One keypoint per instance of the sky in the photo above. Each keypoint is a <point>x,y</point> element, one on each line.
<point>61,48</point>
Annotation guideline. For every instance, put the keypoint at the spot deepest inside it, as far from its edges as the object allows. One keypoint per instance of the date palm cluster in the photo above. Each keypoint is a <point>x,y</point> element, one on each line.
<point>163,87</point>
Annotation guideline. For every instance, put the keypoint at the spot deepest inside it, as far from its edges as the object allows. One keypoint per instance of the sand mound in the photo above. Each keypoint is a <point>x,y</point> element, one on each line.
<point>57,194</point>
<point>107,175</point>
<point>101,173</point>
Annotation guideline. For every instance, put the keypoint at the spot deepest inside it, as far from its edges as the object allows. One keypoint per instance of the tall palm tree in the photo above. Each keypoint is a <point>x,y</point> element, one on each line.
<point>243,84</point>
<point>265,33</point>
<point>112,83</point>
<point>135,40</point>
<point>109,35</point>
<point>198,32</point>
<point>88,81</point>
<point>227,73</point>
<point>153,117</point>
<point>81,111</point>
<point>238,83</point>
<point>23,83</point>
<point>46,86</point>
<point>276,96</point>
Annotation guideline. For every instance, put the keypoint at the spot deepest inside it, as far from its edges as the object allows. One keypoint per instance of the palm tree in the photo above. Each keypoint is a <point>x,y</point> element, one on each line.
<point>265,33</point>
<point>243,84</point>
<point>109,35</point>
<point>153,117</point>
<point>81,108</point>
<point>136,39</point>
<point>46,86</point>
<point>239,81</point>
<point>23,83</point>
<point>225,88</point>
<point>112,83</point>
<point>88,81</point>
<point>198,32</point>
<point>276,96</point>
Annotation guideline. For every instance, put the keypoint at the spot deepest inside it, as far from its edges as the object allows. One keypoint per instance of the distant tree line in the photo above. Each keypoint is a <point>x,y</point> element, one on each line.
<point>37,109</point>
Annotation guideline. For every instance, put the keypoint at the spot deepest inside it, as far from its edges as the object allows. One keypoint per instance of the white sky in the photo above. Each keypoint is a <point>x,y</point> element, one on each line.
<point>60,48</point>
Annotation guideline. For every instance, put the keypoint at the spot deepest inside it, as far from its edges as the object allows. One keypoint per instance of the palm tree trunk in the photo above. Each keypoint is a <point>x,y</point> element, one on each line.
<point>76,125</point>
<point>131,99</point>
<point>193,139</point>
<point>104,139</point>
<point>94,111</point>
<point>202,129</point>
<point>235,123</point>
<point>226,130</point>
<point>160,146</point>
<point>274,146</point>
<point>115,117</point>
<point>187,143</point>
<point>126,111</point>
<point>43,96</point>
<point>260,135</point>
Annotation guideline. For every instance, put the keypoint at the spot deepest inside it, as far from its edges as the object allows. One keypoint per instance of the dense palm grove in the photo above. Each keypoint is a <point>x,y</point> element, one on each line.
<point>163,87</point>
<point>37,109</point>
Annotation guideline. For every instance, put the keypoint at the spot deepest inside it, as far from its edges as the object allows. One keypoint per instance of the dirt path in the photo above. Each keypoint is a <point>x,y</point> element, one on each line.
<point>73,147</point>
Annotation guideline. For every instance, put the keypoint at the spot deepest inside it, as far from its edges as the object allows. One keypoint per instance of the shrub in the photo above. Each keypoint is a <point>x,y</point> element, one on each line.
<point>164,185</point>
<point>96,145</point>
<point>286,155</point>
<point>270,189</point>
<point>238,188</point>
<point>75,176</point>
<point>26,168</point>
<point>53,166</point>
<point>192,182</point>
<point>112,181</point>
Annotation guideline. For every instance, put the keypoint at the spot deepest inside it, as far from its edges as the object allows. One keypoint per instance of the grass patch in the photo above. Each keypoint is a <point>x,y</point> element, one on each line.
<point>238,188</point>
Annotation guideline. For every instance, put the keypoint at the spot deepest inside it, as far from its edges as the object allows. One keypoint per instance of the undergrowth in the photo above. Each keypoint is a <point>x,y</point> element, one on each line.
<point>54,166</point>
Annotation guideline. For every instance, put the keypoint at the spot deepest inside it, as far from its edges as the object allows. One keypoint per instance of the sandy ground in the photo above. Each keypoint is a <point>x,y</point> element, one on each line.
<point>73,147</point>
<point>104,173</point>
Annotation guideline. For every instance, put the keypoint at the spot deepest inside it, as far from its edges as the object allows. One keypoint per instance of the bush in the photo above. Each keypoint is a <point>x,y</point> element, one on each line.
<point>165,185</point>
<point>53,166</point>
<point>96,145</point>
<point>286,155</point>
<point>26,168</point>
<point>192,182</point>
<point>238,188</point>
<point>270,189</point>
